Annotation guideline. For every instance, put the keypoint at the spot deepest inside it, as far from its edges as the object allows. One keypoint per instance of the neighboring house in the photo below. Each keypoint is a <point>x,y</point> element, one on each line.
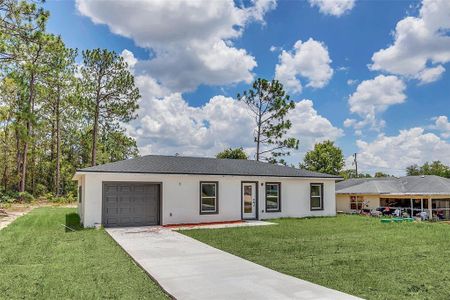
<point>153,189</point>
<point>412,193</point>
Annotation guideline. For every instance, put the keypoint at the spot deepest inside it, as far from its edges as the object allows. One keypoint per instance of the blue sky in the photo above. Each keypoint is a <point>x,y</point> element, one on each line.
<point>392,108</point>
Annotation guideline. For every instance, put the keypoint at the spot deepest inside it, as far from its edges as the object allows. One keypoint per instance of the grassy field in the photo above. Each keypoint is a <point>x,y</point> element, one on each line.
<point>40,259</point>
<point>353,254</point>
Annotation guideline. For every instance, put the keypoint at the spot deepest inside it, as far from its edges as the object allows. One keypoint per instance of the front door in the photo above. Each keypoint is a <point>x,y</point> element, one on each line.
<point>249,200</point>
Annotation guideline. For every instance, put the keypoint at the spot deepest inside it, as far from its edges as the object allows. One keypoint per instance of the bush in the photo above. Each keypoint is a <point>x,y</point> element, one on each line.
<point>26,197</point>
<point>41,189</point>
<point>8,197</point>
<point>61,199</point>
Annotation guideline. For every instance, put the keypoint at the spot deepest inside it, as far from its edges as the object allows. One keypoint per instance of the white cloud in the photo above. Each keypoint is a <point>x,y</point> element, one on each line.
<point>129,58</point>
<point>275,48</point>
<point>333,7</point>
<point>352,81</point>
<point>167,124</point>
<point>394,153</point>
<point>421,44</point>
<point>430,74</point>
<point>442,124</point>
<point>309,60</point>
<point>310,127</point>
<point>373,97</point>
<point>191,40</point>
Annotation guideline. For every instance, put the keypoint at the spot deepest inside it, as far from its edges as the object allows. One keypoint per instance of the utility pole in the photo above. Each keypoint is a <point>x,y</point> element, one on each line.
<point>355,161</point>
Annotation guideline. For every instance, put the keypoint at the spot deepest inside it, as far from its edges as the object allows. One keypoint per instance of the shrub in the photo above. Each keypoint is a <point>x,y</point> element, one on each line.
<point>62,199</point>
<point>26,197</point>
<point>41,189</point>
<point>8,197</point>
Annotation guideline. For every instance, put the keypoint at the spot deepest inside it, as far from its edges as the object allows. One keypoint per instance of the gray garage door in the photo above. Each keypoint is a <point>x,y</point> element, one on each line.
<point>130,204</point>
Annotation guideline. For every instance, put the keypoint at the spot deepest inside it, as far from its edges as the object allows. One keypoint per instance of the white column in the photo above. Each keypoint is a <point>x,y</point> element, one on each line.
<point>412,207</point>
<point>430,208</point>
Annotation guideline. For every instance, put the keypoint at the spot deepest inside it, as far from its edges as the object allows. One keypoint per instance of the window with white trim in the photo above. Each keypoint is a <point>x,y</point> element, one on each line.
<point>356,202</point>
<point>316,194</point>
<point>209,197</point>
<point>273,197</point>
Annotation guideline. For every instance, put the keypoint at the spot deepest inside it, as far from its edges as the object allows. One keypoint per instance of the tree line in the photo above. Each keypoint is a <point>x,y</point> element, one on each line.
<point>60,110</point>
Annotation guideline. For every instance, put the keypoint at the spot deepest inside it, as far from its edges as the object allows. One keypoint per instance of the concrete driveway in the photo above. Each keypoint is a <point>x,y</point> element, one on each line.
<point>189,269</point>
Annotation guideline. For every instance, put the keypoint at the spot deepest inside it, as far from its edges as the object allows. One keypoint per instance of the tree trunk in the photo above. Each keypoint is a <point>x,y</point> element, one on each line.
<point>18,156</point>
<point>96,117</point>
<point>258,138</point>
<point>5,158</point>
<point>51,177</point>
<point>94,135</point>
<point>29,129</point>
<point>258,132</point>
<point>58,145</point>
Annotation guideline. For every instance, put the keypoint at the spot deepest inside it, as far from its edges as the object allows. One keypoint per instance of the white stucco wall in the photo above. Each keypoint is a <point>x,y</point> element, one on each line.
<point>180,197</point>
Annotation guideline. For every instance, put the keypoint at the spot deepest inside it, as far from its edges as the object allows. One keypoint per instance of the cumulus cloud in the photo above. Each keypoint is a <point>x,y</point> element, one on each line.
<point>443,125</point>
<point>167,124</point>
<point>308,60</point>
<point>395,153</point>
<point>421,44</point>
<point>129,58</point>
<point>373,97</point>
<point>310,127</point>
<point>191,40</point>
<point>333,7</point>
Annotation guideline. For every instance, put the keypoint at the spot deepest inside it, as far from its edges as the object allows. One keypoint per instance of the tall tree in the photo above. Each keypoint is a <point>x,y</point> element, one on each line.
<point>60,81</point>
<point>324,158</point>
<point>269,104</point>
<point>20,23</point>
<point>230,153</point>
<point>109,92</point>
<point>22,42</point>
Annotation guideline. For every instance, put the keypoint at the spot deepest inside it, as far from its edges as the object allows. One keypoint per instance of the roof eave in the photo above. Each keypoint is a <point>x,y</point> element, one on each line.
<point>84,172</point>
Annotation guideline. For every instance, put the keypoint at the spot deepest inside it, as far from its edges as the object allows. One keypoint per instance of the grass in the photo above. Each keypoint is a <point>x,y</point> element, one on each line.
<point>353,254</point>
<point>41,259</point>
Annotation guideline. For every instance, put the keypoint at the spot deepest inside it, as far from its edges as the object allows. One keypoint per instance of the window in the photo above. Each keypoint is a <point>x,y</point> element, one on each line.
<point>273,197</point>
<point>209,197</point>
<point>356,202</point>
<point>80,189</point>
<point>316,196</point>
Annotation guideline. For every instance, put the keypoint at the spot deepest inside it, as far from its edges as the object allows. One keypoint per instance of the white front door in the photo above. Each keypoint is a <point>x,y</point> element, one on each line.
<point>249,200</point>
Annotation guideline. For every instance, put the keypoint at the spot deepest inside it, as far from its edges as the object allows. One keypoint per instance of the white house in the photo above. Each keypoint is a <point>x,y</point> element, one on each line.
<point>162,190</point>
<point>414,194</point>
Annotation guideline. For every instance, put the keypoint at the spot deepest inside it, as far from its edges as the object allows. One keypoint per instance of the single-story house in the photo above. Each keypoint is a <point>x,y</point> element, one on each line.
<point>413,194</point>
<point>165,190</point>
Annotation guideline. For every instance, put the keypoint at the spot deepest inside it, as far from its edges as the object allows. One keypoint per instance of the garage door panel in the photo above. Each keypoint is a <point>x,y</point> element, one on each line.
<point>130,204</point>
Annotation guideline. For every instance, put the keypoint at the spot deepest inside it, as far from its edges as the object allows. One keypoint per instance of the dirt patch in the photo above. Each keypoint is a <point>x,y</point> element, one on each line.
<point>13,215</point>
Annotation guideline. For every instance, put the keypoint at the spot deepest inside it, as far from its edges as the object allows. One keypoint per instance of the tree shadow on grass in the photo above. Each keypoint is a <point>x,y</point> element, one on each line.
<point>73,222</point>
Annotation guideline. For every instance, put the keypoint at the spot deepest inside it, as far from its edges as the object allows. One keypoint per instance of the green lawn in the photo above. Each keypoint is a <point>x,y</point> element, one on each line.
<point>353,254</point>
<point>40,259</point>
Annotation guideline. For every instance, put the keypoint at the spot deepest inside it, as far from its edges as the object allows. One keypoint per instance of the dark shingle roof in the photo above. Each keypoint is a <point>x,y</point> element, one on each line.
<point>428,184</point>
<point>159,164</point>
